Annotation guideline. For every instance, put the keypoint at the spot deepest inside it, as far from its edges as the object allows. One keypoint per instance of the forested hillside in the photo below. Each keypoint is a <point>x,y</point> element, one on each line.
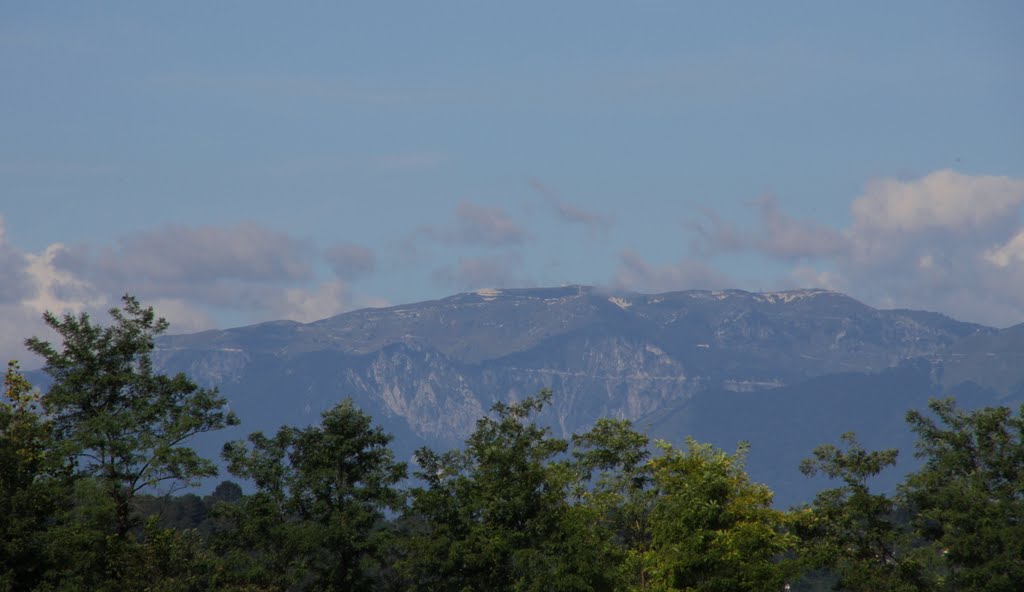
<point>95,477</point>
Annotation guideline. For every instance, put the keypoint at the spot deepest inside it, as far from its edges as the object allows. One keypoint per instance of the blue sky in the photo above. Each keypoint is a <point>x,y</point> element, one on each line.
<point>236,162</point>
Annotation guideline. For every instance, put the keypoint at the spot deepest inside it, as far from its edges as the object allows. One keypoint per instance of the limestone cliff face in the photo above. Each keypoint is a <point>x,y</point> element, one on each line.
<point>428,371</point>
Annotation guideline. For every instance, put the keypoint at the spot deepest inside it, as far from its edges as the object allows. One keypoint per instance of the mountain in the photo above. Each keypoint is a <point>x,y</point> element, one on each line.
<point>992,360</point>
<point>711,363</point>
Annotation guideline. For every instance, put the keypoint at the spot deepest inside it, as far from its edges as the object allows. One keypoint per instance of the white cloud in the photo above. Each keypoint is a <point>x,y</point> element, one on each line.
<point>947,242</point>
<point>182,316</point>
<point>328,299</point>
<point>1010,253</point>
<point>941,200</point>
<point>58,290</point>
<point>29,286</point>
<point>188,274</point>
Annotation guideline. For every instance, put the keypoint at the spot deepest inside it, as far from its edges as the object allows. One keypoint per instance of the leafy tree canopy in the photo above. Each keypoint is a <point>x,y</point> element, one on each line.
<point>969,496</point>
<point>321,494</point>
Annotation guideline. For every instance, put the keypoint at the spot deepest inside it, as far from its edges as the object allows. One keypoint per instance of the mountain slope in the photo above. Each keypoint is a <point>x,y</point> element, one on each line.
<point>428,370</point>
<point>785,424</point>
<point>991,360</point>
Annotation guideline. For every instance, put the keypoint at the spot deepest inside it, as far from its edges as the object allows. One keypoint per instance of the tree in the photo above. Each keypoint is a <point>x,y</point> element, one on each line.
<point>170,560</point>
<point>969,495</point>
<point>33,484</point>
<point>712,528</point>
<point>496,515</point>
<point>125,424</point>
<point>853,532</point>
<point>616,483</point>
<point>321,493</point>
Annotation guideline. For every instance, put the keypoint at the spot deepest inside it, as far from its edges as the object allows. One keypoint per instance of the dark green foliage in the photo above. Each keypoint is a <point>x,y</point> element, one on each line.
<point>855,533</point>
<point>227,492</point>
<point>124,424</point>
<point>34,485</point>
<point>496,515</point>
<point>314,520</point>
<point>169,560</point>
<point>612,458</point>
<point>969,496</point>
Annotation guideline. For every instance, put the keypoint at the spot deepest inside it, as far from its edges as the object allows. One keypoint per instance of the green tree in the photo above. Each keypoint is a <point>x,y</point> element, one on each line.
<point>314,522</point>
<point>170,560</point>
<point>34,485</point>
<point>496,516</point>
<point>613,461</point>
<point>712,529</point>
<point>123,429</point>
<point>125,424</point>
<point>854,533</point>
<point>969,495</point>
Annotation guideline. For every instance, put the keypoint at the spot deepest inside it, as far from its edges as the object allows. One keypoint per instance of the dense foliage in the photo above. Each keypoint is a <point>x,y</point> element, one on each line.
<point>91,476</point>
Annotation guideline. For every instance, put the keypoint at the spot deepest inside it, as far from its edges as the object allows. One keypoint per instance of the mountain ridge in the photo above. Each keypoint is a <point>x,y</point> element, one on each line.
<point>427,371</point>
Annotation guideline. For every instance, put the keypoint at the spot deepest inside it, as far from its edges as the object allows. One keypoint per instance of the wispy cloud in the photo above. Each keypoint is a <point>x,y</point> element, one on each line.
<point>494,271</point>
<point>350,261</point>
<point>777,234</point>
<point>595,224</point>
<point>478,225</point>
<point>635,273</point>
<point>175,254</point>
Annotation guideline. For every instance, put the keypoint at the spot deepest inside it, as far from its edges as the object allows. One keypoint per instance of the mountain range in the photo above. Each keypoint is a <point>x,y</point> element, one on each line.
<point>785,371</point>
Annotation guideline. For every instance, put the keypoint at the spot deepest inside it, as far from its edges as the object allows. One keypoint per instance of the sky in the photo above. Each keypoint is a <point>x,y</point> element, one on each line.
<point>238,162</point>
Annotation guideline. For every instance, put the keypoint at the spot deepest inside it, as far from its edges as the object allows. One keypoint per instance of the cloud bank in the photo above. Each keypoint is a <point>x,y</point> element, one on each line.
<point>947,241</point>
<point>191,275</point>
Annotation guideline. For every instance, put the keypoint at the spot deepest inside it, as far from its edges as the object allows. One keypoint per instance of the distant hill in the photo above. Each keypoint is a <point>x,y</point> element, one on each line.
<point>783,425</point>
<point>992,360</point>
<point>722,365</point>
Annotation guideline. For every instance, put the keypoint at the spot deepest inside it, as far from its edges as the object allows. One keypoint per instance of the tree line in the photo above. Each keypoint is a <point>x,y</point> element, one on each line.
<point>93,473</point>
